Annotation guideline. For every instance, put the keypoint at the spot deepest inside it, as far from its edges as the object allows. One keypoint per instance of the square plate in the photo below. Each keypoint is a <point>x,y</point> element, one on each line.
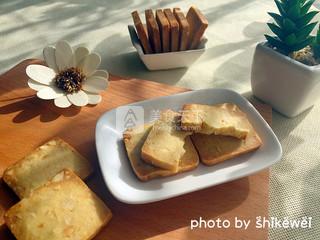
<point>126,187</point>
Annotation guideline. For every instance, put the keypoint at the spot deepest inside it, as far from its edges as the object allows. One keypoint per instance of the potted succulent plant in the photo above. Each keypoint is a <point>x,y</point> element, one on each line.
<point>285,70</point>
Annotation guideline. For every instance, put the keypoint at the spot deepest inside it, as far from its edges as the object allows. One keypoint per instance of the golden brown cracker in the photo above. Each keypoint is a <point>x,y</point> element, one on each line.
<point>65,208</point>
<point>42,164</point>
<point>184,29</point>
<point>134,140</point>
<point>174,30</point>
<point>198,24</point>
<point>142,33</point>
<point>153,31</point>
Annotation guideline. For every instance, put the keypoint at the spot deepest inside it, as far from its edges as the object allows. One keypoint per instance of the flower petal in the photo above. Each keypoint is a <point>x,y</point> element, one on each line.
<point>80,53</point>
<point>49,55</point>
<point>95,84</point>
<point>101,73</point>
<point>64,55</point>
<point>79,98</point>
<point>35,85</point>
<point>62,102</point>
<point>93,98</point>
<point>50,93</point>
<point>90,63</point>
<point>41,74</point>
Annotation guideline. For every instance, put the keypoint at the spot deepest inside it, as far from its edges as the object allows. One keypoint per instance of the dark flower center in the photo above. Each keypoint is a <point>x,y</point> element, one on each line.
<point>69,80</point>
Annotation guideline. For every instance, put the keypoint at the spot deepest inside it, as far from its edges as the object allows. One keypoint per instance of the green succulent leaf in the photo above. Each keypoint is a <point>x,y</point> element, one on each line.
<point>294,11</point>
<point>275,42</point>
<point>289,26</point>
<point>276,30</point>
<point>316,51</point>
<point>316,45</point>
<point>291,39</point>
<point>317,38</point>
<point>305,8</point>
<point>305,31</point>
<point>302,44</point>
<point>289,4</point>
<point>278,18</point>
<point>280,7</point>
<point>306,19</point>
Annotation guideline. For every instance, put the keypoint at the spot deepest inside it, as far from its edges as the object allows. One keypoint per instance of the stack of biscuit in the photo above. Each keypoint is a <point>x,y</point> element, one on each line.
<point>55,203</point>
<point>177,141</point>
<point>170,30</point>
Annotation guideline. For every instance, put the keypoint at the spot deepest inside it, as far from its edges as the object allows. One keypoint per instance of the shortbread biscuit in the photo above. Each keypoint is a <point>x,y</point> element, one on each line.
<point>153,31</point>
<point>164,28</point>
<point>174,30</point>
<point>134,140</point>
<point>42,164</point>
<point>142,33</point>
<point>221,119</point>
<point>164,145</point>
<point>184,29</point>
<point>63,209</point>
<point>198,24</point>
<point>214,149</point>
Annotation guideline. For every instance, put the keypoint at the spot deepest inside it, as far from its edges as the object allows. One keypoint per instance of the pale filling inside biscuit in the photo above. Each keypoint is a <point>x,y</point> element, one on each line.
<point>216,120</point>
<point>164,145</point>
<point>221,122</point>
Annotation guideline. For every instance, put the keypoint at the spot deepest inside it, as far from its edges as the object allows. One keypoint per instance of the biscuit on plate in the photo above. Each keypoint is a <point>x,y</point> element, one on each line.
<point>42,164</point>
<point>184,29</point>
<point>214,149</point>
<point>63,209</point>
<point>198,24</point>
<point>134,139</point>
<point>164,145</point>
<point>221,119</point>
<point>153,31</point>
<point>174,30</point>
<point>141,32</point>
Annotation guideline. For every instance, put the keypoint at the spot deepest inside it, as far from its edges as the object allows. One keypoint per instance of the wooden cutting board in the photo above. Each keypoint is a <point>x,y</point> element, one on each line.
<point>26,122</point>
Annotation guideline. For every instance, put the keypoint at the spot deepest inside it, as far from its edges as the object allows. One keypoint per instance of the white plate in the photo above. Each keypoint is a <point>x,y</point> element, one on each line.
<point>125,186</point>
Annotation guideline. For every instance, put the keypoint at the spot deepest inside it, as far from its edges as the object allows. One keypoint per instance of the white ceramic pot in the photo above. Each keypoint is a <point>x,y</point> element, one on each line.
<point>289,86</point>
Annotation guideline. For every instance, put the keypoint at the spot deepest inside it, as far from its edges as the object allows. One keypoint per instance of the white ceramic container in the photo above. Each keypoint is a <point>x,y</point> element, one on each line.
<point>170,60</point>
<point>289,86</point>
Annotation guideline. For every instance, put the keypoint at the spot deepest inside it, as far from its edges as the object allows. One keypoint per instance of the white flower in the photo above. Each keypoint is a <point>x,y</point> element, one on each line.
<point>70,78</point>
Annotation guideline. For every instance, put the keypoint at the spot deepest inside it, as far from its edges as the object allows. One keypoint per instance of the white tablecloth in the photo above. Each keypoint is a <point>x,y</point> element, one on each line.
<point>235,26</point>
